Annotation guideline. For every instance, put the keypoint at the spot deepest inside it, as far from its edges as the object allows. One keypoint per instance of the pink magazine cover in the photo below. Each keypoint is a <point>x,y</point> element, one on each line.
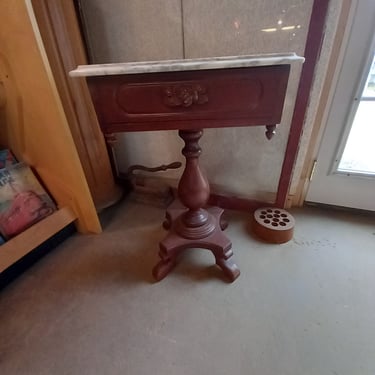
<point>23,201</point>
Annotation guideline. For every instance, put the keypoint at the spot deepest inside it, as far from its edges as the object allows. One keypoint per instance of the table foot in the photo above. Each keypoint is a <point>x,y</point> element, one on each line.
<point>217,242</point>
<point>229,268</point>
<point>163,268</point>
<point>191,225</point>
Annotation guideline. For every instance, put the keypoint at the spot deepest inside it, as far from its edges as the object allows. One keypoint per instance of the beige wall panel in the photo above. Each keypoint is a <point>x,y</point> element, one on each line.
<point>133,30</point>
<point>238,160</point>
<point>227,27</point>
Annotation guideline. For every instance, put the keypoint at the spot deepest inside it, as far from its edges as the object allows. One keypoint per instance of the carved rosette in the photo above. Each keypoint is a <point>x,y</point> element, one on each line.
<point>185,95</point>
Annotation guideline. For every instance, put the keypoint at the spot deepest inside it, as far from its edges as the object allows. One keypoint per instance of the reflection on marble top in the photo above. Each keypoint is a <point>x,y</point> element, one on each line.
<point>185,64</point>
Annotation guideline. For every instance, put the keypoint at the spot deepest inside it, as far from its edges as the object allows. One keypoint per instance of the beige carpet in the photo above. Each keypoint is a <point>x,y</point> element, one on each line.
<point>302,308</point>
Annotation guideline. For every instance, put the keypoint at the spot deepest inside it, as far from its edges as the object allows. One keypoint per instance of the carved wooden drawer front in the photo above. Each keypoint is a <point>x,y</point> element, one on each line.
<point>190,99</point>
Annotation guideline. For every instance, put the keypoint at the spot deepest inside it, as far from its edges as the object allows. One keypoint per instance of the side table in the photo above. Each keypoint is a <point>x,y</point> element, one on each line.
<point>188,96</point>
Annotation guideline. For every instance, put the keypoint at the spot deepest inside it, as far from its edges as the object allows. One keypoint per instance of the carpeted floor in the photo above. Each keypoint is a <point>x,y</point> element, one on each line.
<point>306,307</point>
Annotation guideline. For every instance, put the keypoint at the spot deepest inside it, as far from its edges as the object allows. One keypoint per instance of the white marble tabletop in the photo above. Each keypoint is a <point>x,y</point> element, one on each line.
<point>185,64</point>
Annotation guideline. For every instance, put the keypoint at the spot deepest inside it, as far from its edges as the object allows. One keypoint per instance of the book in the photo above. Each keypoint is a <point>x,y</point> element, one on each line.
<point>23,200</point>
<point>7,159</point>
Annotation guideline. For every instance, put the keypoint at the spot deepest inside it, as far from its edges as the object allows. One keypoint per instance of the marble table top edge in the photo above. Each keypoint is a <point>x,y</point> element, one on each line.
<point>185,64</point>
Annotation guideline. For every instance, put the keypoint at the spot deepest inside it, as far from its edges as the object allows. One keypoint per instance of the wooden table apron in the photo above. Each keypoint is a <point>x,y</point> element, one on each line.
<point>190,101</point>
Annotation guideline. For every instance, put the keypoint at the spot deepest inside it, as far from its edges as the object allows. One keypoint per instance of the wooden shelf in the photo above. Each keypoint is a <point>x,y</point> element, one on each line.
<point>34,126</point>
<point>32,237</point>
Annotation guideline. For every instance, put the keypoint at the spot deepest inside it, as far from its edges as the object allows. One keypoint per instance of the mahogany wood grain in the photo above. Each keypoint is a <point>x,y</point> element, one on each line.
<point>173,244</point>
<point>191,225</point>
<point>190,99</point>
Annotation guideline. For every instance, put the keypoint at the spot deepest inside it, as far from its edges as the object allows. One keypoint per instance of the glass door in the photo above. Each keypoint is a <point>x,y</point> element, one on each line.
<point>358,156</point>
<point>345,168</point>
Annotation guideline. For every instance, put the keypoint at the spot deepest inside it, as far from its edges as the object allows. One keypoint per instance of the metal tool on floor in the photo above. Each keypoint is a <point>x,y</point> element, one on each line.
<point>148,189</point>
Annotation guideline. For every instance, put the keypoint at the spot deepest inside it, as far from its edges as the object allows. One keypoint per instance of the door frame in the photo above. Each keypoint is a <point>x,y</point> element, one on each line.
<point>328,186</point>
<point>335,62</point>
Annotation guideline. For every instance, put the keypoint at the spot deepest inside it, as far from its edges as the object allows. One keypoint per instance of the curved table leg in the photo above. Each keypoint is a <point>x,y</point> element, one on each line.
<point>217,242</point>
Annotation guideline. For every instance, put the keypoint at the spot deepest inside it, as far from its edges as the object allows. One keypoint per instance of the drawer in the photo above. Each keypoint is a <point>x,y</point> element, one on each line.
<point>190,99</point>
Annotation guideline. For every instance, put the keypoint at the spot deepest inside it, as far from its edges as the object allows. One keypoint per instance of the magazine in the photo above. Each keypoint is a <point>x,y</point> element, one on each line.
<point>7,159</point>
<point>23,200</point>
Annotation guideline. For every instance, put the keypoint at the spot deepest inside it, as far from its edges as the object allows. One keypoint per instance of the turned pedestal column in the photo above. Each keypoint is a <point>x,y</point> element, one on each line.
<point>194,226</point>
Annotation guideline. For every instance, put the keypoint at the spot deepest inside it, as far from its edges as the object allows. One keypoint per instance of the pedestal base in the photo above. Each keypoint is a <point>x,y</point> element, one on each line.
<point>174,243</point>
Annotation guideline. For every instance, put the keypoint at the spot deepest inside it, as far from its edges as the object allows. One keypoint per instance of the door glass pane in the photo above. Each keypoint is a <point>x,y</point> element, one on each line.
<point>369,91</point>
<point>359,152</point>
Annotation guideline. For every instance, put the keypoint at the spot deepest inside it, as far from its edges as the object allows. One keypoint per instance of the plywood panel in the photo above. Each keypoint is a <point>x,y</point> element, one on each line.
<point>61,36</point>
<point>28,240</point>
<point>35,125</point>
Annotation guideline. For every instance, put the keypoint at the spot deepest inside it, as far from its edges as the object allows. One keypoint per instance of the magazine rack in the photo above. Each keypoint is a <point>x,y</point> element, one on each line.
<point>34,127</point>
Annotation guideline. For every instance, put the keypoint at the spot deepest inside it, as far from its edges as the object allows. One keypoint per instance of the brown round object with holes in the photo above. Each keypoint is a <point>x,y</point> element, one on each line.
<point>273,225</point>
